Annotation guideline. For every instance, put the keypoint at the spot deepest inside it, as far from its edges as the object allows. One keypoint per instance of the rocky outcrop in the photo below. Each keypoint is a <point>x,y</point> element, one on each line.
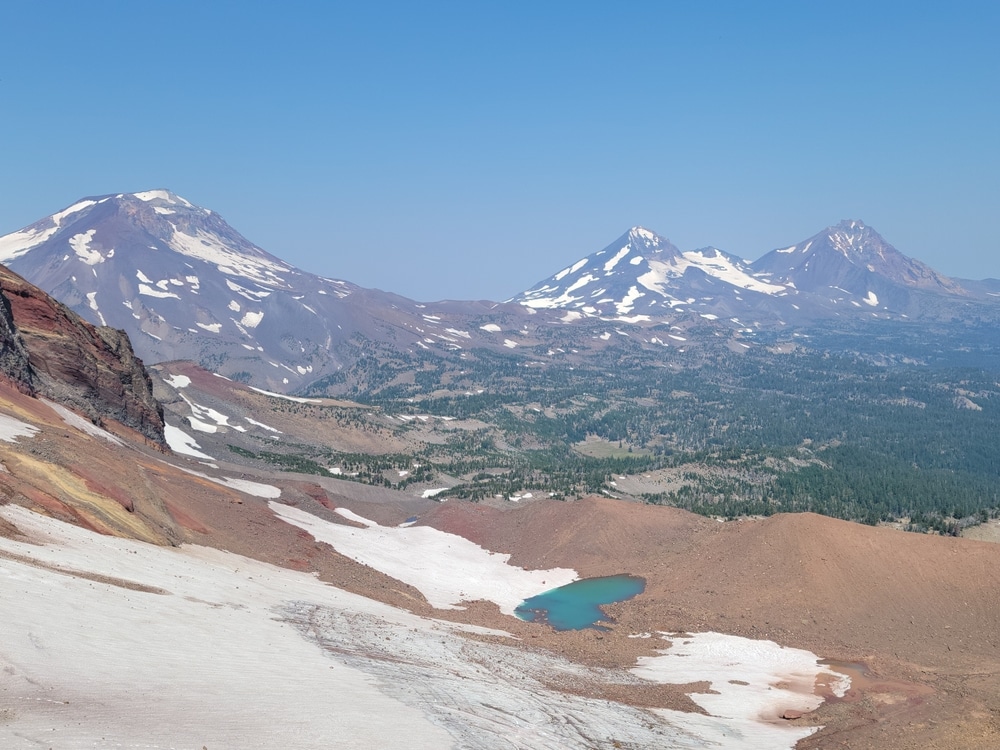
<point>47,349</point>
<point>14,364</point>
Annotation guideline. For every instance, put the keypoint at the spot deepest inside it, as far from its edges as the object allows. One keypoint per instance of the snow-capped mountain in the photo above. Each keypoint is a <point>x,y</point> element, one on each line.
<point>185,285</point>
<point>643,277</point>
<point>851,262</point>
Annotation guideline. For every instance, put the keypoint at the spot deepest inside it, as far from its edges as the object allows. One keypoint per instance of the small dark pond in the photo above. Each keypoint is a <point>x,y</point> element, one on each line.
<point>577,605</point>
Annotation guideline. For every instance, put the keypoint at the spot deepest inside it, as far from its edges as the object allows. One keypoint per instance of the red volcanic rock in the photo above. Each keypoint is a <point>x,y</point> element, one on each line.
<point>47,349</point>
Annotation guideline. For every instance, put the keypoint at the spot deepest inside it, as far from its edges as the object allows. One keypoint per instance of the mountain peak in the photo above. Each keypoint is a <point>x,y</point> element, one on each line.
<point>163,196</point>
<point>642,276</point>
<point>640,237</point>
<point>642,232</point>
<point>847,225</point>
<point>851,258</point>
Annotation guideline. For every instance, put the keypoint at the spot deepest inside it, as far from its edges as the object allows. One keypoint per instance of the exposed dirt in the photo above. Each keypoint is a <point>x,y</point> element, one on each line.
<point>921,613</point>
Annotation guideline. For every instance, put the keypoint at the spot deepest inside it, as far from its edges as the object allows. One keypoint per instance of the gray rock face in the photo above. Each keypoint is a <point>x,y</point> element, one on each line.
<point>15,366</point>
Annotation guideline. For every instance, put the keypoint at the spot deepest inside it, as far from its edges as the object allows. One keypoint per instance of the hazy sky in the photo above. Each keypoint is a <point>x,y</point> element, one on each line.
<point>470,149</point>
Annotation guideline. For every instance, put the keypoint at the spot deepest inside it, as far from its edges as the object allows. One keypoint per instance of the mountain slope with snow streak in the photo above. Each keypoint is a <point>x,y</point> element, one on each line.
<point>852,263</point>
<point>643,277</point>
<point>847,268</point>
<point>185,285</point>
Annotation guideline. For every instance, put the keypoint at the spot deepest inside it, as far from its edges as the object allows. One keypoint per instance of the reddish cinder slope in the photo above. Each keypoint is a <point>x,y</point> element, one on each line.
<point>921,612</point>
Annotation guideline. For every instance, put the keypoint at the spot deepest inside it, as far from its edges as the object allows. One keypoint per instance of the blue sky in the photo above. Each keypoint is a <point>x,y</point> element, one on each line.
<point>470,149</point>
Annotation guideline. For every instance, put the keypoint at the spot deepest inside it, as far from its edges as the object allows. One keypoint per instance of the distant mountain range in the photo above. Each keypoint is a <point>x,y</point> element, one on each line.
<point>185,285</point>
<point>643,278</point>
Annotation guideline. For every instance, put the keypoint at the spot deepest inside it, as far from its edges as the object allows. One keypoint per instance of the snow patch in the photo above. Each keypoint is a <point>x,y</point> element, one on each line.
<point>11,429</point>
<point>610,265</point>
<point>206,412</point>
<point>162,195</point>
<point>266,491</point>
<point>199,426</point>
<point>92,303</point>
<point>83,425</point>
<point>213,249</point>
<point>628,301</point>
<point>178,381</point>
<point>446,568</point>
<point>251,319</point>
<point>180,442</point>
<point>296,399</point>
<point>263,426</point>
<point>150,292</point>
<point>751,684</point>
<point>81,246</point>
<point>16,244</point>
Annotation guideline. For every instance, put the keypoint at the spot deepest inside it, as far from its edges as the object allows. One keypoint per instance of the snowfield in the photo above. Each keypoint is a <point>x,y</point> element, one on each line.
<point>110,642</point>
<point>749,681</point>
<point>447,569</point>
<point>195,649</point>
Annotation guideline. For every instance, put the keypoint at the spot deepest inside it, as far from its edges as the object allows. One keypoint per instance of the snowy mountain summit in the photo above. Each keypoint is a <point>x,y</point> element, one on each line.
<point>185,285</point>
<point>643,277</point>
<point>851,261</point>
<point>160,219</point>
<point>182,282</point>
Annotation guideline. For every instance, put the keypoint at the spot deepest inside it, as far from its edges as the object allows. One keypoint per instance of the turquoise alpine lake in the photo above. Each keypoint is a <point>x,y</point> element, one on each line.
<point>577,605</point>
